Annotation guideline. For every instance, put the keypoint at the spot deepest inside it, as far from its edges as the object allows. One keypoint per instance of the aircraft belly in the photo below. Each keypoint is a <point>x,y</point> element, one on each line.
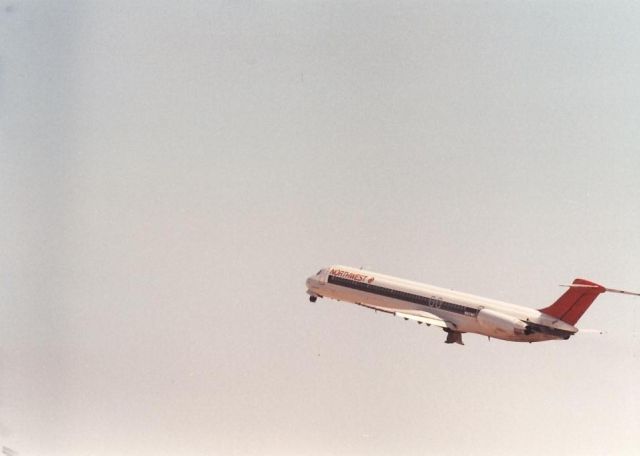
<point>468,324</point>
<point>498,334</point>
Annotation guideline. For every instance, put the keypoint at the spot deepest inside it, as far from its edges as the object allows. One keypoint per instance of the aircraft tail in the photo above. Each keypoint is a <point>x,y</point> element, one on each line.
<point>575,301</point>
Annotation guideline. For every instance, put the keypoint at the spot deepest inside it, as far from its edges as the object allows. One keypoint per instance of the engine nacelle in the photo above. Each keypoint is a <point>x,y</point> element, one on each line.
<point>492,320</point>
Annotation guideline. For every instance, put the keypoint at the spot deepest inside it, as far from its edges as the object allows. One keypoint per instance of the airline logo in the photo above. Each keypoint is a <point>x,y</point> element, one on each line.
<point>351,276</point>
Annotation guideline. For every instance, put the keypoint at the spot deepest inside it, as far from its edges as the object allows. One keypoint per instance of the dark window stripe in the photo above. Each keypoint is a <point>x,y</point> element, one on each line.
<point>432,302</point>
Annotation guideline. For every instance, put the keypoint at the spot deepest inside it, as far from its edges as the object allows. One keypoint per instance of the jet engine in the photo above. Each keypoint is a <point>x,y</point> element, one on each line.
<point>498,321</point>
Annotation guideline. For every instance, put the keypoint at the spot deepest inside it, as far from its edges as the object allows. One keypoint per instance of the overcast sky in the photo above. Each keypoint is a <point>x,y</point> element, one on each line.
<point>171,172</point>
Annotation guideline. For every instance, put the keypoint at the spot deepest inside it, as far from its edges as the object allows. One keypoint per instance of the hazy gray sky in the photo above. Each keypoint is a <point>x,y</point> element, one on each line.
<point>171,172</point>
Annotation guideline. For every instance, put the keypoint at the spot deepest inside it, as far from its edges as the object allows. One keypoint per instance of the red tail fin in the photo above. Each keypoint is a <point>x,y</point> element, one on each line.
<point>575,301</point>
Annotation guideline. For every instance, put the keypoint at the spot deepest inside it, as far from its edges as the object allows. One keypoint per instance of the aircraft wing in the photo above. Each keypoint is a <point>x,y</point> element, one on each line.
<point>416,315</point>
<point>426,318</point>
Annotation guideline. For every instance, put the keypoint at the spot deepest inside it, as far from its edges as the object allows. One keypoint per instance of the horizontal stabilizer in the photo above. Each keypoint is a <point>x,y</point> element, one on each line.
<point>577,299</point>
<point>579,285</point>
<point>610,290</point>
<point>613,290</point>
<point>590,331</point>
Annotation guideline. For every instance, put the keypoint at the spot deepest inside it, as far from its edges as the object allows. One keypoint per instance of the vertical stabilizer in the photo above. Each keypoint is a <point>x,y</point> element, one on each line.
<point>575,301</point>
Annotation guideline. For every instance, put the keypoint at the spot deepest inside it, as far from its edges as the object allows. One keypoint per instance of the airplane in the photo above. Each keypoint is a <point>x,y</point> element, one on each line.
<point>457,313</point>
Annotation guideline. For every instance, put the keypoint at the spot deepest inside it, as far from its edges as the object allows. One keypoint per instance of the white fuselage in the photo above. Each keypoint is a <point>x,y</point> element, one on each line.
<point>462,312</point>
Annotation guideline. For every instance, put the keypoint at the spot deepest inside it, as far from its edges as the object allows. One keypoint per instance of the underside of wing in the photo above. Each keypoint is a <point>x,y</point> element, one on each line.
<point>422,317</point>
<point>426,318</point>
<point>419,316</point>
